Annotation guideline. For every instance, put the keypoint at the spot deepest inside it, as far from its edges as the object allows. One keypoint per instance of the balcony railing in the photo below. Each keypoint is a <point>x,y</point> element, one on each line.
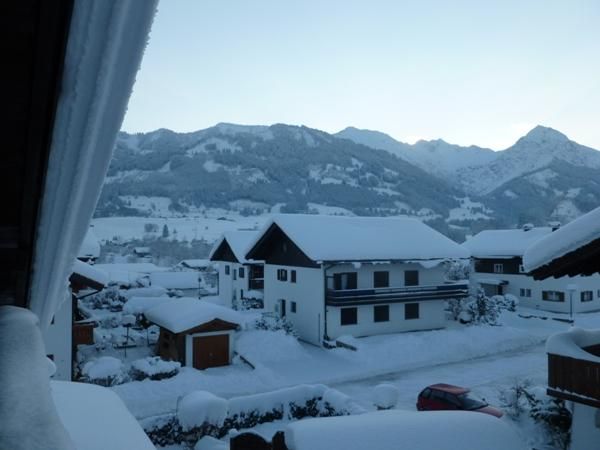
<point>344,297</point>
<point>574,379</point>
<point>257,284</point>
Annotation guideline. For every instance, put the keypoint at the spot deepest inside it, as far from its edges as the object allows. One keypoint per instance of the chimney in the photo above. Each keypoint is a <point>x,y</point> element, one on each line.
<point>527,226</point>
<point>554,225</point>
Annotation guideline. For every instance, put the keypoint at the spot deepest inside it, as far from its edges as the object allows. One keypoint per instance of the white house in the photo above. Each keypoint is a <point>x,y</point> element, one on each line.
<point>573,356</point>
<point>239,278</point>
<point>333,276</point>
<point>497,266</point>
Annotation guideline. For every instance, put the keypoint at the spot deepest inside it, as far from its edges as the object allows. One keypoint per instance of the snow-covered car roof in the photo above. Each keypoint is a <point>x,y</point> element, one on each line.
<point>504,243</point>
<point>343,238</point>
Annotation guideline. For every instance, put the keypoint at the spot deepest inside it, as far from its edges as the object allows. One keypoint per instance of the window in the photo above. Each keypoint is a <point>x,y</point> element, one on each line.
<point>411,311</point>
<point>381,279</point>
<point>227,270</point>
<point>587,296</point>
<point>411,278</point>
<point>293,276</point>
<point>293,307</point>
<point>498,268</point>
<point>282,274</point>
<point>525,293</point>
<point>553,296</point>
<point>381,313</point>
<point>234,274</point>
<point>521,268</point>
<point>241,273</point>
<point>346,280</point>
<point>348,316</point>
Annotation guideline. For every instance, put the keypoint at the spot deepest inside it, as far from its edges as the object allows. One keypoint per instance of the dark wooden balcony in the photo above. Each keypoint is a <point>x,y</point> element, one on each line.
<point>574,379</point>
<point>347,297</point>
<point>257,284</point>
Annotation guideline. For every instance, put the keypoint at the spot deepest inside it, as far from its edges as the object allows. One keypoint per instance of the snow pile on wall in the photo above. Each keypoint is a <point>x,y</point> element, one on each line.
<point>184,313</point>
<point>28,417</point>
<point>387,430</point>
<point>385,396</point>
<point>572,343</point>
<point>566,239</point>
<point>200,407</point>
<point>281,346</point>
<point>175,280</point>
<point>154,367</point>
<point>105,370</point>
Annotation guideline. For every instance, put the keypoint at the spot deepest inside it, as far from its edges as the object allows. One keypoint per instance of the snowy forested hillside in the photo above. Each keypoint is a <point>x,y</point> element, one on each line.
<point>253,169</point>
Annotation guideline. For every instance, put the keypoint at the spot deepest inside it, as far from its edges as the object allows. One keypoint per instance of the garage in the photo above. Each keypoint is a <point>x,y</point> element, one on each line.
<point>194,332</point>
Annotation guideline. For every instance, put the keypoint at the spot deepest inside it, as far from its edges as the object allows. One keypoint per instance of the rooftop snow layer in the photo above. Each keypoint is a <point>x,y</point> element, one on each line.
<point>239,241</point>
<point>139,305</point>
<point>566,239</point>
<point>90,272</point>
<point>96,418</point>
<point>196,263</point>
<point>339,238</point>
<point>385,430</point>
<point>504,243</point>
<point>175,280</point>
<point>181,314</point>
<point>90,248</point>
<point>572,343</point>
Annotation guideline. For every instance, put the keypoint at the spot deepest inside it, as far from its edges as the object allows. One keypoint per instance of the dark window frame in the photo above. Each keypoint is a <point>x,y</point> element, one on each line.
<point>227,269</point>
<point>292,276</point>
<point>410,309</point>
<point>381,279</point>
<point>586,296</point>
<point>282,274</point>
<point>411,278</point>
<point>348,316</point>
<point>381,313</point>
<point>546,296</point>
<point>241,272</point>
<point>351,279</point>
<point>293,307</point>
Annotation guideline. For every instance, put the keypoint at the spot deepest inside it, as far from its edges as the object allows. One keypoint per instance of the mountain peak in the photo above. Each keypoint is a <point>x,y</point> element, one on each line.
<point>541,134</point>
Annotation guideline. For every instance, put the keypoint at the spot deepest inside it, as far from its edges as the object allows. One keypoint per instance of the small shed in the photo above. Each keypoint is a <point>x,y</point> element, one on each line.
<point>195,332</point>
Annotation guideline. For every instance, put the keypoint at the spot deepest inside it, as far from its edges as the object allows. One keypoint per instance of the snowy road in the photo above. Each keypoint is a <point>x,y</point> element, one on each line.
<point>484,375</point>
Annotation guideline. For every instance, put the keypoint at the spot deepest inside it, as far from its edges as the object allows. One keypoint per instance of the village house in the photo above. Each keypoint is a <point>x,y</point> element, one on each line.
<point>497,266</point>
<point>573,356</point>
<point>332,276</point>
<point>195,332</point>
<point>240,281</point>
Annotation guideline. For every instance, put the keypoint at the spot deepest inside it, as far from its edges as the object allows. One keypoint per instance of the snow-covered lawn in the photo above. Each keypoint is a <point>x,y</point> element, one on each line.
<point>283,361</point>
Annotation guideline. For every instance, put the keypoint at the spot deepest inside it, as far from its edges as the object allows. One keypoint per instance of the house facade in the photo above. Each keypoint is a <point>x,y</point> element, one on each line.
<point>240,281</point>
<point>334,276</point>
<point>497,267</point>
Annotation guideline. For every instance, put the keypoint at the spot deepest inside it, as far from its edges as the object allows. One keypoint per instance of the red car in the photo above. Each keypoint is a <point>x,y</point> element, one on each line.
<point>448,397</point>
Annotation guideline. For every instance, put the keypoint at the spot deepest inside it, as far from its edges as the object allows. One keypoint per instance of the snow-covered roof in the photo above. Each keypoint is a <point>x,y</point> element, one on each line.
<point>196,263</point>
<point>566,239</point>
<point>96,418</point>
<point>387,430</point>
<point>90,248</point>
<point>239,241</point>
<point>504,243</point>
<point>181,314</point>
<point>572,343</point>
<point>128,272</point>
<point>175,280</point>
<point>342,238</point>
<point>139,305</point>
<point>90,272</point>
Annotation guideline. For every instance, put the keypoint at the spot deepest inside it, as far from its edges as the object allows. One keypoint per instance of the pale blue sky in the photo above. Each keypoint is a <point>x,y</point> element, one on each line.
<point>470,72</point>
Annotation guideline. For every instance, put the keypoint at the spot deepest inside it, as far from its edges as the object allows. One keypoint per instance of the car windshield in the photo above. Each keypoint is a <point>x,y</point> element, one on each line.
<point>470,403</point>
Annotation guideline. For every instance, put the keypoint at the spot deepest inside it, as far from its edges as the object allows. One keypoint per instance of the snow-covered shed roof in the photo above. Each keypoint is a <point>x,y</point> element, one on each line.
<point>571,250</point>
<point>504,243</point>
<point>175,280</point>
<point>90,248</point>
<point>239,242</point>
<point>96,418</point>
<point>343,238</point>
<point>128,272</point>
<point>195,263</point>
<point>386,430</point>
<point>182,314</point>
<point>90,273</point>
<point>571,343</point>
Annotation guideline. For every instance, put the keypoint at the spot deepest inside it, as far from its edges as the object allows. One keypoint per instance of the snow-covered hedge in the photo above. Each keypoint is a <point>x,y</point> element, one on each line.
<point>274,323</point>
<point>202,414</point>
<point>105,371</point>
<point>154,367</point>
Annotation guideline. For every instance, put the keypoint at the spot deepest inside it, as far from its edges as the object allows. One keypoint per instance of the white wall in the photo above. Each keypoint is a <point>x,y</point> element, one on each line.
<point>518,282</point>
<point>431,276</point>
<point>230,284</point>
<point>307,292</point>
<point>585,430</point>
<point>431,316</point>
<point>58,340</point>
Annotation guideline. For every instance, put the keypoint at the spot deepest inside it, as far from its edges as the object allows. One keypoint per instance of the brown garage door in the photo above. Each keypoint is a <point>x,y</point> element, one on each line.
<point>211,351</point>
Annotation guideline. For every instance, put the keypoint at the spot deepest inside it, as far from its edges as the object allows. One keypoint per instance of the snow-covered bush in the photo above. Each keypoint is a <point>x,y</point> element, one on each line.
<point>526,402</point>
<point>274,323</point>
<point>153,367</point>
<point>506,302</point>
<point>111,296</point>
<point>200,409</point>
<point>457,270</point>
<point>455,306</point>
<point>481,309</point>
<point>385,396</point>
<point>105,371</point>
